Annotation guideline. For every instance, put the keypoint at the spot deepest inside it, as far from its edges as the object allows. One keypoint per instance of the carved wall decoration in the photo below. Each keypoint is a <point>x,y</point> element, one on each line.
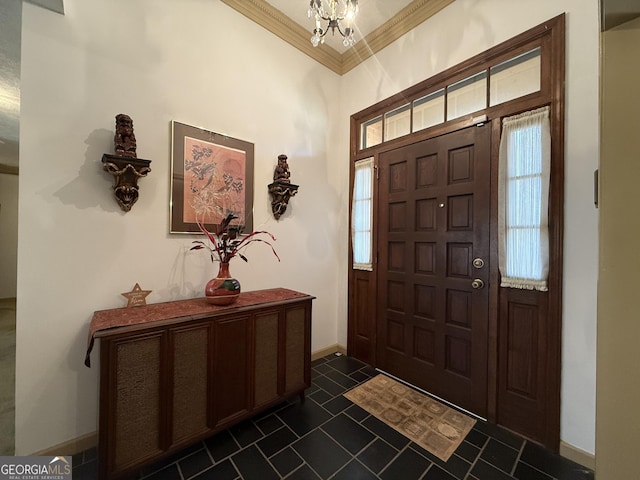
<point>125,139</point>
<point>125,167</point>
<point>281,189</point>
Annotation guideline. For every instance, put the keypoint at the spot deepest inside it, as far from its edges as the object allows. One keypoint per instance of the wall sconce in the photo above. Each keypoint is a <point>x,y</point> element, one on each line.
<point>281,189</point>
<point>125,167</point>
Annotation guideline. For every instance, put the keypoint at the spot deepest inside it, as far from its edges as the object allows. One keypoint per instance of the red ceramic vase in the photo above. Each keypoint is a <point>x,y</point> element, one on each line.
<point>222,290</point>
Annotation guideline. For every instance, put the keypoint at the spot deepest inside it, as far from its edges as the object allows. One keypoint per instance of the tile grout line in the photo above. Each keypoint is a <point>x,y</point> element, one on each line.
<point>414,446</point>
<point>255,444</point>
<point>269,461</point>
<point>515,465</point>
<point>538,469</point>
<point>354,459</point>
<point>299,466</point>
<point>288,475</point>
<point>179,469</point>
<point>235,467</point>
<point>213,460</point>
<point>473,464</point>
<point>404,449</point>
<point>393,459</point>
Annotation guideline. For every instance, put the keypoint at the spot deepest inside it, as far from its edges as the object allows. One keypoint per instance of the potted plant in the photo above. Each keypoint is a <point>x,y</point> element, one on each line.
<point>224,243</point>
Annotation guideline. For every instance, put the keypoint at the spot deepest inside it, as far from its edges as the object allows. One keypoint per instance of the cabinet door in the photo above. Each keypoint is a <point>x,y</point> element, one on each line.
<point>297,347</point>
<point>230,390</point>
<point>266,358</point>
<point>135,382</point>
<point>189,352</point>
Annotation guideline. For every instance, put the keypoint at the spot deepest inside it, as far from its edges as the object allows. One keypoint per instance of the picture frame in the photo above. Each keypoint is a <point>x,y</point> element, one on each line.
<point>211,176</point>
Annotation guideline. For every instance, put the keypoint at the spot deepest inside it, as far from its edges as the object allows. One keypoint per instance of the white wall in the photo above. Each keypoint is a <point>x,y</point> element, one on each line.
<point>618,417</point>
<point>195,61</point>
<point>8,234</point>
<point>460,31</point>
<point>199,62</point>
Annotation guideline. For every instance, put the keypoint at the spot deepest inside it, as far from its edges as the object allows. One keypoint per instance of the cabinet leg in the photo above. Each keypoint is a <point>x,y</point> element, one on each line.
<point>302,396</point>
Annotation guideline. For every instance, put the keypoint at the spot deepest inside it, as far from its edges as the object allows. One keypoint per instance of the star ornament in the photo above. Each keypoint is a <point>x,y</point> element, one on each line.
<point>136,297</point>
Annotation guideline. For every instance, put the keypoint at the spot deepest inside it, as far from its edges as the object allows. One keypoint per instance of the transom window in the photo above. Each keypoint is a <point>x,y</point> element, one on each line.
<point>507,80</point>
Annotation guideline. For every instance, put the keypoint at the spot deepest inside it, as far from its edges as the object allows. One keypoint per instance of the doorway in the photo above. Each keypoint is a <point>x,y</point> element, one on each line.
<point>441,319</point>
<point>433,241</point>
<point>10,31</point>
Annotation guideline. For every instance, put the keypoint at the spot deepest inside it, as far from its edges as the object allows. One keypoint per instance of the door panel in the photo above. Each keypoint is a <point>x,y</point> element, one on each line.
<point>434,210</point>
<point>523,378</point>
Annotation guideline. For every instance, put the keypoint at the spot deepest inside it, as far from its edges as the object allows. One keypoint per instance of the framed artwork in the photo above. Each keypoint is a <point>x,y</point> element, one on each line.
<point>211,176</point>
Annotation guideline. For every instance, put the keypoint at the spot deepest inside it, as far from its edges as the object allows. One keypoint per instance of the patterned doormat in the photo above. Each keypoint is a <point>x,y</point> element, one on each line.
<point>432,425</point>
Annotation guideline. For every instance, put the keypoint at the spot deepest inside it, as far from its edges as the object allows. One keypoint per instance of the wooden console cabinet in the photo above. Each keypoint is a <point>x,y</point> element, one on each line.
<point>170,382</point>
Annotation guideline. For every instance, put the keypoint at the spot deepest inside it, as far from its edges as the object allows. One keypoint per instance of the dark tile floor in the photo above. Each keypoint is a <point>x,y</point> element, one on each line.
<point>327,436</point>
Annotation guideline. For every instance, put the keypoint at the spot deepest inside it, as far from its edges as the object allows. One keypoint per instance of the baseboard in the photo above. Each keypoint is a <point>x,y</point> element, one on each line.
<point>337,348</point>
<point>71,447</point>
<point>577,455</point>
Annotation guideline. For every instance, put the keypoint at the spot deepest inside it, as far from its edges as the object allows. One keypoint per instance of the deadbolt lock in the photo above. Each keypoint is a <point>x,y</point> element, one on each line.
<point>478,262</point>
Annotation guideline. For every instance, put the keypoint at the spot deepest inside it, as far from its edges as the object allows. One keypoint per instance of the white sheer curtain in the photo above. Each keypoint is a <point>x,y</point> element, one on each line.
<point>523,200</point>
<point>362,215</point>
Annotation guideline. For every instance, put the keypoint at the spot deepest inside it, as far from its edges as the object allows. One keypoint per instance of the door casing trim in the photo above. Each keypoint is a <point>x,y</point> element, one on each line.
<point>361,343</point>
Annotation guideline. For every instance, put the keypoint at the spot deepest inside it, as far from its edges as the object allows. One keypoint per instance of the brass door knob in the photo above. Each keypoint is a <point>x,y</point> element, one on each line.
<point>477,284</point>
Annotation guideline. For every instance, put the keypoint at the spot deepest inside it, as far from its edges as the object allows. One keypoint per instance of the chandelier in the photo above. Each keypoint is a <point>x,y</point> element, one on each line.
<point>327,10</point>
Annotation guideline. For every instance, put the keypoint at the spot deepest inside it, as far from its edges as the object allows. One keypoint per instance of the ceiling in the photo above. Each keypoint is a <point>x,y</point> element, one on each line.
<point>379,23</point>
<point>373,13</point>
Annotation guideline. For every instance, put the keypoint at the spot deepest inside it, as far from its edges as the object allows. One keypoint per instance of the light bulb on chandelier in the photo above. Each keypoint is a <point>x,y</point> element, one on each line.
<point>329,13</point>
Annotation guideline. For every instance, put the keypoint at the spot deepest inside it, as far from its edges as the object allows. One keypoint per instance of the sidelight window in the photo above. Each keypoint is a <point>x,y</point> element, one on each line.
<point>523,196</point>
<point>362,215</point>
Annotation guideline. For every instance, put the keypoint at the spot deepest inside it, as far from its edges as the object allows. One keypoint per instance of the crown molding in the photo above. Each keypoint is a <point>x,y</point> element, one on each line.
<point>272,19</point>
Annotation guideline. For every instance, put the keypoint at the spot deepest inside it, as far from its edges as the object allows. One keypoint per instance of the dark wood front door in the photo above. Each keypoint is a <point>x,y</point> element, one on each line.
<point>433,295</point>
